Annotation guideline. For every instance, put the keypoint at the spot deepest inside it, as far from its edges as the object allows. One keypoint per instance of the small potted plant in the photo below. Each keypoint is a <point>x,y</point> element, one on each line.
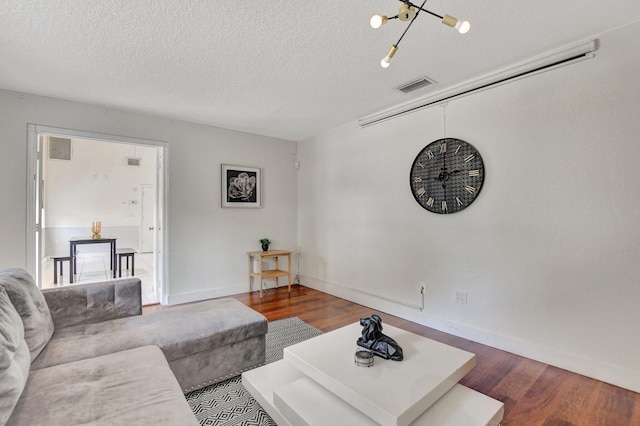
<point>265,244</point>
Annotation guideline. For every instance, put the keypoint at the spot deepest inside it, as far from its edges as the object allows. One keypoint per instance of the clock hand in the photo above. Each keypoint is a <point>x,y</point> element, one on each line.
<point>454,173</point>
<point>445,175</point>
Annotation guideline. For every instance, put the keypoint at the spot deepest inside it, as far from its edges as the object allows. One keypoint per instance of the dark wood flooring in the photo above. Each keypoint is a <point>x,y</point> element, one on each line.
<point>533,393</point>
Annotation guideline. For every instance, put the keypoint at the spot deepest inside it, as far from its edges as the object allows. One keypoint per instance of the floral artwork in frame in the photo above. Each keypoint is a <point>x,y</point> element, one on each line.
<point>241,186</point>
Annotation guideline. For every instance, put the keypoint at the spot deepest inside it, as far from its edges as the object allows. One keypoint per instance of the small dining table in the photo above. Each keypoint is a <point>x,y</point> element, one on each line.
<point>75,241</point>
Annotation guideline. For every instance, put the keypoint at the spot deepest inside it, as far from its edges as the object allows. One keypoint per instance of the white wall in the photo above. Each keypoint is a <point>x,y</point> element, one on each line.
<point>207,244</point>
<point>95,184</point>
<point>549,251</point>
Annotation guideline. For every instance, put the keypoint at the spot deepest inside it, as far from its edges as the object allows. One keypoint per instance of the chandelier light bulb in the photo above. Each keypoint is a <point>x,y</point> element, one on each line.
<point>386,61</point>
<point>463,27</point>
<point>377,21</point>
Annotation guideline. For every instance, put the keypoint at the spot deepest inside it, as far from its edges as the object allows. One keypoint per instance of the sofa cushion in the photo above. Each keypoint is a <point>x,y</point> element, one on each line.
<point>134,387</point>
<point>14,357</point>
<point>179,331</point>
<point>31,306</point>
<point>95,302</point>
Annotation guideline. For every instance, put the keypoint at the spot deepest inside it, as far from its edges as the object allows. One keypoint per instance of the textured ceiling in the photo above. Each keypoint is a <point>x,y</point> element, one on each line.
<point>287,69</point>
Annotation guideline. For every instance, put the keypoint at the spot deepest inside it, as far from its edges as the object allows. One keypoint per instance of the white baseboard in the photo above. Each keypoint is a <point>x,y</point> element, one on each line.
<point>576,363</point>
<point>195,296</point>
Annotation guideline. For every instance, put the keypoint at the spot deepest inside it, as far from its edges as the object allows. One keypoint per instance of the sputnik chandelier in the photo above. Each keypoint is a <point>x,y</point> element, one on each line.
<point>409,12</point>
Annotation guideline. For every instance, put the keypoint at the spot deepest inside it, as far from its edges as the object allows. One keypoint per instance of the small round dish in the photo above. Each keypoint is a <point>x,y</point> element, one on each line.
<point>363,358</point>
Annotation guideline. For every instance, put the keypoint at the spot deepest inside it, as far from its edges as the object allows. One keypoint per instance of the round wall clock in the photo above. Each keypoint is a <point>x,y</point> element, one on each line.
<point>447,175</point>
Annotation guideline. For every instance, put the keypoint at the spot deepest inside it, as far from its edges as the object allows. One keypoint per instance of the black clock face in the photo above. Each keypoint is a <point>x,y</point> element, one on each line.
<point>446,176</point>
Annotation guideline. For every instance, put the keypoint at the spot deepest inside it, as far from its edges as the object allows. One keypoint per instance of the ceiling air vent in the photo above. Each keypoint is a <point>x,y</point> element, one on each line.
<point>414,85</point>
<point>59,148</point>
<point>133,161</point>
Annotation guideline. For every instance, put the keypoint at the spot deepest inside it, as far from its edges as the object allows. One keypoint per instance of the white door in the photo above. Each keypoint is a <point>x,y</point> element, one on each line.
<point>148,218</point>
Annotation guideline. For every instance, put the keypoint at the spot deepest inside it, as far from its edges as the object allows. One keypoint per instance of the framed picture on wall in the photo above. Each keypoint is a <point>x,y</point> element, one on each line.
<point>241,186</point>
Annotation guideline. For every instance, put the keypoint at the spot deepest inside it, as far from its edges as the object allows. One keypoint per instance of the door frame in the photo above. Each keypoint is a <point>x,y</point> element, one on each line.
<point>34,200</point>
<point>34,239</point>
<point>144,187</point>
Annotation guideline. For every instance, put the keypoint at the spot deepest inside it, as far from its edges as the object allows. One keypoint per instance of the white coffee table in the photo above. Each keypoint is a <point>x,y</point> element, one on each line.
<point>318,383</point>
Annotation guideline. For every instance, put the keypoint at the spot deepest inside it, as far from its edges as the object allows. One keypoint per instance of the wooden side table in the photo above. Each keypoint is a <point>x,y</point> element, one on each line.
<point>269,273</point>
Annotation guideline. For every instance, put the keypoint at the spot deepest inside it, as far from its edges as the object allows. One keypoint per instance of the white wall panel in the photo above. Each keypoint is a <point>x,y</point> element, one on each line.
<point>548,252</point>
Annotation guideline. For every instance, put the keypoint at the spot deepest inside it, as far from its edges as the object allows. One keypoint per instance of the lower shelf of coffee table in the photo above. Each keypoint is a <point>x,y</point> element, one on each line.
<point>292,398</point>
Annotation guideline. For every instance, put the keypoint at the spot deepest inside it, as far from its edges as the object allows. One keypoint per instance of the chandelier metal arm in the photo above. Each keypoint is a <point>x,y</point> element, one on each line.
<point>410,23</point>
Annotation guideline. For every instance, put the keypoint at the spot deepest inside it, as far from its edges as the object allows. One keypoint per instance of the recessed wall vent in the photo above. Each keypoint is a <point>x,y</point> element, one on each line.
<point>59,148</point>
<point>131,161</point>
<point>414,85</point>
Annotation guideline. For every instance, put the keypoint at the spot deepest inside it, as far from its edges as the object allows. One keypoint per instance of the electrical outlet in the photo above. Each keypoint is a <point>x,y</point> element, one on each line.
<point>461,297</point>
<point>299,250</point>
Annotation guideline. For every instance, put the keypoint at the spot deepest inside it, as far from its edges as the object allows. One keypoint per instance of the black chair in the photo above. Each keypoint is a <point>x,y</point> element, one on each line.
<point>59,260</point>
<point>129,254</point>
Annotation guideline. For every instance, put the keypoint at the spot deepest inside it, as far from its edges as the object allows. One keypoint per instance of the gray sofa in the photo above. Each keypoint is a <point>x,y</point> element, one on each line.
<point>85,354</point>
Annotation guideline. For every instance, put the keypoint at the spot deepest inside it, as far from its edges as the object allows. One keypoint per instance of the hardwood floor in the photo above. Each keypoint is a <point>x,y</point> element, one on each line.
<point>533,393</point>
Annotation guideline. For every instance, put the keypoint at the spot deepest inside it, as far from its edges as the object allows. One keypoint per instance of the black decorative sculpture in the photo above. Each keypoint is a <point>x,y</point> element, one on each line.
<point>378,343</point>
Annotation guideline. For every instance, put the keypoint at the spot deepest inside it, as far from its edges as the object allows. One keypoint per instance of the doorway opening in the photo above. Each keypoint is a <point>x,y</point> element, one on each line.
<point>82,177</point>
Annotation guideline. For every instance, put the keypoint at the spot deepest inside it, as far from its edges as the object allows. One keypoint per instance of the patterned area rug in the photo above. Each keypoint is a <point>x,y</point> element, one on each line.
<point>228,402</point>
